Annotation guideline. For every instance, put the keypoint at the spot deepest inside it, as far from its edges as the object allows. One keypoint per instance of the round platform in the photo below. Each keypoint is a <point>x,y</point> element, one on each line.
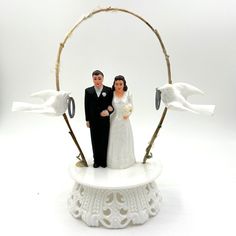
<point>115,198</point>
<point>106,178</point>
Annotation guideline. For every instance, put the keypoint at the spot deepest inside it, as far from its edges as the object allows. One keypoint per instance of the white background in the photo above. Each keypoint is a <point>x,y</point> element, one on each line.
<point>197,152</point>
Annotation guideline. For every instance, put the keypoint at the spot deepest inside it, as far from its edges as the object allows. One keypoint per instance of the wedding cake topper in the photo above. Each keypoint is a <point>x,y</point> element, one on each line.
<point>107,197</point>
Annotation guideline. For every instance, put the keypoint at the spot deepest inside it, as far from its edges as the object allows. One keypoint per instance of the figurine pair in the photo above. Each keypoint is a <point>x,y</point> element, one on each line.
<point>107,112</point>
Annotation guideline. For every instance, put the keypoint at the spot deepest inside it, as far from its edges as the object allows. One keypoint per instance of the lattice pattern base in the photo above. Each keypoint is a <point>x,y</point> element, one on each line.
<point>114,208</point>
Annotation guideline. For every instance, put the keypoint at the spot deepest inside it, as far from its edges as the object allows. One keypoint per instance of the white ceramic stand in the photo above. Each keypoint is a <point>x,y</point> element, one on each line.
<point>115,198</point>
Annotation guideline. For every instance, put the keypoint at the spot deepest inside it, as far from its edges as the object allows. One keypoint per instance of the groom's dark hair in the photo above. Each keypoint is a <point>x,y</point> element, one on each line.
<point>120,77</point>
<point>97,72</point>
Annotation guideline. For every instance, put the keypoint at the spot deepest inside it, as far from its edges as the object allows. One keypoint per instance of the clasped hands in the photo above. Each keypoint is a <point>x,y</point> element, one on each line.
<point>110,109</point>
<point>102,114</point>
<point>106,112</point>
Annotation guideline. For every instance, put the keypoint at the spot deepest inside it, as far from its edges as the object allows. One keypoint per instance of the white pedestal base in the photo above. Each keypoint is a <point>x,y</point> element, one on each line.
<point>98,202</point>
<point>114,208</point>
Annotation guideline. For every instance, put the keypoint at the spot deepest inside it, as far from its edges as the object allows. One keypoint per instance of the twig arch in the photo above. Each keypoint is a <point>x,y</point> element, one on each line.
<point>81,156</point>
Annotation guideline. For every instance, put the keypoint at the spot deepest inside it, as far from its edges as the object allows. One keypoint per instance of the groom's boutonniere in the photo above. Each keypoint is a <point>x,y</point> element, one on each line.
<point>104,94</point>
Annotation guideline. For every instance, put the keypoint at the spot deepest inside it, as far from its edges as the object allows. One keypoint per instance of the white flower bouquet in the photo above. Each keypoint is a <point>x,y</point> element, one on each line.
<point>127,109</point>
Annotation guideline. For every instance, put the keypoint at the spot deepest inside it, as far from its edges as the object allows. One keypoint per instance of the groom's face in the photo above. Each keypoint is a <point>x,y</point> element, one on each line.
<point>98,80</point>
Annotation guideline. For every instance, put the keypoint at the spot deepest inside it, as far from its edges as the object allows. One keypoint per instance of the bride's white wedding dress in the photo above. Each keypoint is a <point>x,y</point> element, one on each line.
<point>120,154</point>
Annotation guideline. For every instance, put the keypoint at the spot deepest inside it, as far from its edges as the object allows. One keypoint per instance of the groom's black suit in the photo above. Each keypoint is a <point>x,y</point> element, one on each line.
<point>99,126</point>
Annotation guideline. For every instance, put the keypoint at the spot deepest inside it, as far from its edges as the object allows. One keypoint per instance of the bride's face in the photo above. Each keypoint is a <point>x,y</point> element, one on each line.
<point>119,86</point>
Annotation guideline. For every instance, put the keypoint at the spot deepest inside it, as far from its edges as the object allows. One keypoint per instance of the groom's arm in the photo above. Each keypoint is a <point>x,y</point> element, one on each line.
<point>86,107</point>
<point>110,108</point>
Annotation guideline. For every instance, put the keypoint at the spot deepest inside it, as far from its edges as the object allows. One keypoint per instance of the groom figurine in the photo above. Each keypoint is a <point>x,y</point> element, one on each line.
<point>98,107</point>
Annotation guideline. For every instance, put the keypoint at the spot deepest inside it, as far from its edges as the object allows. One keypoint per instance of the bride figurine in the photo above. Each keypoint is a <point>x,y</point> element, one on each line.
<point>120,154</point>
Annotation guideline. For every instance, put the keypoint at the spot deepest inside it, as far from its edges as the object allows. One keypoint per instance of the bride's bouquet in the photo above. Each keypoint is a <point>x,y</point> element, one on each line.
<point>127,109</point>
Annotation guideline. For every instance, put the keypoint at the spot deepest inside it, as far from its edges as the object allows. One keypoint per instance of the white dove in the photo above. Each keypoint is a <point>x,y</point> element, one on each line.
<point>54,103</point>
<point>175,97</point>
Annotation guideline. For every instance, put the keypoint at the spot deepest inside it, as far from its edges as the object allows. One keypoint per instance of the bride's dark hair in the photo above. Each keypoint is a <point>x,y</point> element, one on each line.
<point>120,77</point>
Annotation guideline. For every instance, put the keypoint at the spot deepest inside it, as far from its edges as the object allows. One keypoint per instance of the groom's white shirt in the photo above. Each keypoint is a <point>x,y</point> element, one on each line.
<point>98,91</point>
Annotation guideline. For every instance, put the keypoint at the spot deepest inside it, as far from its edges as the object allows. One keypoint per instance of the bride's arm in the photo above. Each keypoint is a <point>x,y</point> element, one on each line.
<point>130,100</point>
<point>128,107</point>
